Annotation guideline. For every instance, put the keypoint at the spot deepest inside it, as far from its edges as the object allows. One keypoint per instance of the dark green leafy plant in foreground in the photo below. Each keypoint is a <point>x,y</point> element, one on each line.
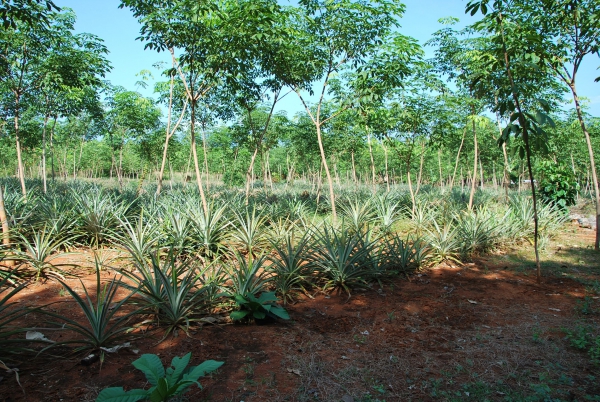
<point>173,381</point>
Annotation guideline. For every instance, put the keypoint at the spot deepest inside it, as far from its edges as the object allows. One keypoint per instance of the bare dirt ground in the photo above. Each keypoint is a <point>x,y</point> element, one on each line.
<point>482,331</point>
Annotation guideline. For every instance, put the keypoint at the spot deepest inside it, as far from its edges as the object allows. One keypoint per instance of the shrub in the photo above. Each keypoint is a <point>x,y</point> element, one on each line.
<point>558,186</point>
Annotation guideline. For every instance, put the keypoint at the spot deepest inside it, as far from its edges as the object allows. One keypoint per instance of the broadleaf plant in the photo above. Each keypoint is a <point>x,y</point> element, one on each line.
<point>259,307</point>
<point>174,381</point>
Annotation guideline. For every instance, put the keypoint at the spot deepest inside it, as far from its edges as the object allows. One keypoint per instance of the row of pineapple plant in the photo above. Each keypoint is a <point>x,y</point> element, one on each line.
<point>183,263</point>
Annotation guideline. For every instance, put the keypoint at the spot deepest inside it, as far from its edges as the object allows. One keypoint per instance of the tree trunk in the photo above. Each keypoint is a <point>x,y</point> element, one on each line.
<point>592,162</point>
<point>482,179</point>
<point>52,147</point>
<point>5,227</point>
<point>18,145</point>
<point>462,141</point>
<point>120,167</point>
<point>44,154</point>
<point>419,177</point>
<point>440,167</point>
<point>196,166</point>
<point>250,173</point>
<point>475,155</point>
<point>353,167</point>
<point>167,136</point>
<point>205,153</point>
<point>387,177</point>
<point>528,155</point>
<point>506,174</point>
<point>372,160</point>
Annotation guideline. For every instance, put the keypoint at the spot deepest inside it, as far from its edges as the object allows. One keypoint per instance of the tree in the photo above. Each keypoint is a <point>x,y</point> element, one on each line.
<point>72,73</point>
<point>330,37</point>
<point>561,34</point>
<point>22,54</point>
<point>170,130</point>
<point>220,42</point>
<point>131,117</point>
<point>30,12</point>
<point>522,96</point>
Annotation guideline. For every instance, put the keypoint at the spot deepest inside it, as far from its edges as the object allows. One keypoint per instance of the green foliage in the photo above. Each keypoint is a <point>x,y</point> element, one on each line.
<point>405,255</point>
<point>103,325</point>
<point>584,339</point>
<point>166,384</point>
<point>557,186</point>
<point>209,229</point>
<point>445,243</point>
<point>478,231</point>
<point>258,308</point>
<point>246,275</point>
<point>288,265</point>
<point>345,260</point>
<point>168,289</point>
<point>139,238</point>
<point>42,249</point>
<point>357,214</point>
<point>98,213</point>
<point>248,229</point>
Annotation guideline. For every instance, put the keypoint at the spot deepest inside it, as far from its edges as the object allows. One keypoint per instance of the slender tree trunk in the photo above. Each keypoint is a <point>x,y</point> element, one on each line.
<point>52,146</point>
<point>462,141</point>
<point>268,168</point>
<point>79,159</point>
<point>353,167</point>
<point>170,176</point>
<point>475,155</point>
<point>525,135</point>
<point>506,174</point>
<point>205,154</point>
<point>327,173</point>
<point>387,177</point>
<point>372,160</point>
<point>592,162</point>
<point>482,178</point>
<point>44,154</point>
<point>18,145</point>
<point>5,227</point>
<point>440,167</point>
<point>189,162</point>
<point>196,166</point>
<point>410,188</point>
<point>419,177</point>
<point>318,123</point>
<point>167,135</point>
<point>250,174</point>
<point>120,167</point>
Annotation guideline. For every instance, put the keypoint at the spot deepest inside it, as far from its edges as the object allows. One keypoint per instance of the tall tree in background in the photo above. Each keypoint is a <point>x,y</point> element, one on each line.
<point>31,12</point>
<point>523,96</point>
<point>561,33</point>
<point>131,117</point>
<point>220,42</point>
<point>72,73</point>
<point>170,129</point>
<point>330,37</point>
<point>23,50</point>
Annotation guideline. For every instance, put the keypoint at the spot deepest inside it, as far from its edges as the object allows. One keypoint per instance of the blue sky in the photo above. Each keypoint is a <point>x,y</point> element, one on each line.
<point>119,30</point>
